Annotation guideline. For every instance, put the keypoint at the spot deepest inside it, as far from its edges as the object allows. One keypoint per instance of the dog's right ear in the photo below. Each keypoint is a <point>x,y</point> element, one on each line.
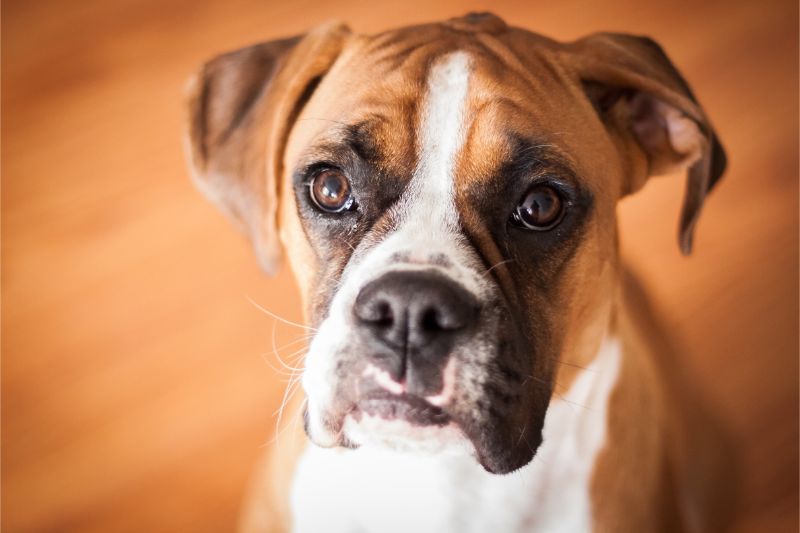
<point>241,108</point>
<point>640,93</point>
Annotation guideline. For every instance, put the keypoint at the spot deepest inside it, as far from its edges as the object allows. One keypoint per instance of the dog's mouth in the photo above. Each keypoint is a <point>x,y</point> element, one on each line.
<point>402,422</point>
<point>501,443</point>
<point>412,409</point>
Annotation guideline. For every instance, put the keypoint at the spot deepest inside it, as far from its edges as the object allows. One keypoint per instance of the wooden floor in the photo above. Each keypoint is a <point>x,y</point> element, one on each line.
<point>137,378</point>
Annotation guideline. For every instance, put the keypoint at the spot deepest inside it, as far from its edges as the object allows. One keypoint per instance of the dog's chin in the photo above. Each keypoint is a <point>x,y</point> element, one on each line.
<point>408,426</point>
<point>370,430</point>
<point>500,452</point>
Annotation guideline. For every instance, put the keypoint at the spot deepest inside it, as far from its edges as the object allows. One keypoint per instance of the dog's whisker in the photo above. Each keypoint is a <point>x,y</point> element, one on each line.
<point>293,345</point>
<point>286,372</point>
<point>535,378</point>
<point>302,338</point>
<point>298,355</point>
<point>556,386</point>
<point>275,369</point>
<point>568,401</point>
<point>288,393</point>
<point>574,365</point>
<point>279,431</point>
<point>521,433</point>
<point>504,262</point>
<point>293,357</point>
<point>533,451</point>
<point>277,354</point>
<point>353,248</point>
<point>322,119</point>
<point>285,366</point>
<point>279,318</point>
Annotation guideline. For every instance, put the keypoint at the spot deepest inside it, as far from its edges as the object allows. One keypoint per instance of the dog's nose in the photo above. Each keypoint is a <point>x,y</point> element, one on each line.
<point>415,317</point>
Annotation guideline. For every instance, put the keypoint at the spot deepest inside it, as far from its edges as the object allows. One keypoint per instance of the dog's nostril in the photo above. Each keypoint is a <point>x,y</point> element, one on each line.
<point>430,320</point>
<point>435,319</point>
<point>376,312</point>
<point>383,315</point>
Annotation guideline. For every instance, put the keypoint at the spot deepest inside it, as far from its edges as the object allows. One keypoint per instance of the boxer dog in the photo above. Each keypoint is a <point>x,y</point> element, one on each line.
<point>446,197</point>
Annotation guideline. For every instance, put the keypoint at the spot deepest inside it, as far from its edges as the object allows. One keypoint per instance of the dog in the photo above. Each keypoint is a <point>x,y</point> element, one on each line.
<point>446,197</point>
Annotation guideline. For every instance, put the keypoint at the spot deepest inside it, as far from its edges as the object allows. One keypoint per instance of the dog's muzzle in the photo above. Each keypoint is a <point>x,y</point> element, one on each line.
<point>420,359</point>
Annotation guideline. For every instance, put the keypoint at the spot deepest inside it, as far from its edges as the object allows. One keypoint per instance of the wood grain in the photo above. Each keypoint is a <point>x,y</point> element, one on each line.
<point>137,378</point>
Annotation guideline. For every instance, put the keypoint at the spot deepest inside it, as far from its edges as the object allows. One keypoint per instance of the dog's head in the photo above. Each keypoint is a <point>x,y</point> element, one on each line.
<point>446,196</point>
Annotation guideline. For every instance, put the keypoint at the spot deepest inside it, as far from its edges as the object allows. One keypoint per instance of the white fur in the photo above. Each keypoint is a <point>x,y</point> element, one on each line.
<point>400,435</point>
<point>374,489</point>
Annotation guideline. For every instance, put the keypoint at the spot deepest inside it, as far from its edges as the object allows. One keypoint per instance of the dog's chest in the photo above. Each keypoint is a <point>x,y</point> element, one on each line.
<point>383,491</point>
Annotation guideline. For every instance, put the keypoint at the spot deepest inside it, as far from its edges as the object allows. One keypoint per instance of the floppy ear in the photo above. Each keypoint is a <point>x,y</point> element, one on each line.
<point>636,88</point>
<point>242,106</point>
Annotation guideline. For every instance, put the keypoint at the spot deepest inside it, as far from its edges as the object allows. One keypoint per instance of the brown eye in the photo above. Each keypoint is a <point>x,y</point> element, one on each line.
<point>330,191</point>
<point>540,209</point>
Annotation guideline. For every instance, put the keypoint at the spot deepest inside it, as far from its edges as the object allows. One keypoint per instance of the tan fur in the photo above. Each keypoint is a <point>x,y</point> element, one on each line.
<point>266,507</point>
<point>638,475</point>
<point>679,461</point>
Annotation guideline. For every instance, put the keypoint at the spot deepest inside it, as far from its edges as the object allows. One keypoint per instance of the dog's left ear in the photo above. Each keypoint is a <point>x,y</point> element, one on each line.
<point>636,89</point>
<point>241,108</point>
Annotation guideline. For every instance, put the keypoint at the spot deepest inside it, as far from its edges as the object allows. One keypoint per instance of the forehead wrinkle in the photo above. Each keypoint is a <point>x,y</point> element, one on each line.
<point>363,138</point>
<point>486,145</point>
<point>500,52</point>
<point>535,64</point>
<point>360,137</point>
<point>534,156</point>
<point>395,134</point>
<point>417,47</point>
<point>399,65</point>
<point>396,59</point>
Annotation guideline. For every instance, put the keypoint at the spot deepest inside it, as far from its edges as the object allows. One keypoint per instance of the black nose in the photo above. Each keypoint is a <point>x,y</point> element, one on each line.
<point>414,318</point>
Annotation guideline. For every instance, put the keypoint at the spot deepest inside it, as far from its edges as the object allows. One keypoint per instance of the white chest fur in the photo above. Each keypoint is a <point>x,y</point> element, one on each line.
<point>383,491</point>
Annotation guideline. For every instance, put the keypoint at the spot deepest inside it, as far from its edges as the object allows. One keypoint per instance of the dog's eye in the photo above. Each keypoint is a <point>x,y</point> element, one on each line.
<point>330,191</point>
<point>540,209</point>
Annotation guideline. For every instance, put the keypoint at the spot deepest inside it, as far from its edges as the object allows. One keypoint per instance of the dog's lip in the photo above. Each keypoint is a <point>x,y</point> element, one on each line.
<point>410,408</point>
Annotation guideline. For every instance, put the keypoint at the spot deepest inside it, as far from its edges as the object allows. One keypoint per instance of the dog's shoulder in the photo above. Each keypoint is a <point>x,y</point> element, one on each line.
<point>699,463</point>
<point>266,507</point>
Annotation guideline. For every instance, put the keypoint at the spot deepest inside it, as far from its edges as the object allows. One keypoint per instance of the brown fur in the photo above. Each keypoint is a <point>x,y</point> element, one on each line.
<point>270,120</point>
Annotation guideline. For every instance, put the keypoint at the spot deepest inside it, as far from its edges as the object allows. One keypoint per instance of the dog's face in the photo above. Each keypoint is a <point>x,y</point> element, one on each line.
<point>460,236</point>
<point>447,201</point>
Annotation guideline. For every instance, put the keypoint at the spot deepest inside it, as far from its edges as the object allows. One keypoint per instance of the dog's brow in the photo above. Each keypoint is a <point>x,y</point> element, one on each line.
<point>527,155</point>
<point>345,142</point>
<point>360,138</point>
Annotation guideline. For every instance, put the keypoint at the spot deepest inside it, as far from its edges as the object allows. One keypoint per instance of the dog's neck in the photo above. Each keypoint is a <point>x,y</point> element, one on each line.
<point>373,489</point>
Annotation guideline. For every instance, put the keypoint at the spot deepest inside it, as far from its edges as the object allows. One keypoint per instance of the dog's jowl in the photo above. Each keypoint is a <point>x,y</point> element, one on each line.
<point>446,197</point>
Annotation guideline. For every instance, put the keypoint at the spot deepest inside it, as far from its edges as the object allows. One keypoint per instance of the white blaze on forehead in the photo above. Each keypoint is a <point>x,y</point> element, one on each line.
<point>428,206</point>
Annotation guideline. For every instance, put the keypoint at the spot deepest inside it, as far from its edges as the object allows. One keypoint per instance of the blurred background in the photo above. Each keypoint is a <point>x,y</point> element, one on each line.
<point>138,381</point>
